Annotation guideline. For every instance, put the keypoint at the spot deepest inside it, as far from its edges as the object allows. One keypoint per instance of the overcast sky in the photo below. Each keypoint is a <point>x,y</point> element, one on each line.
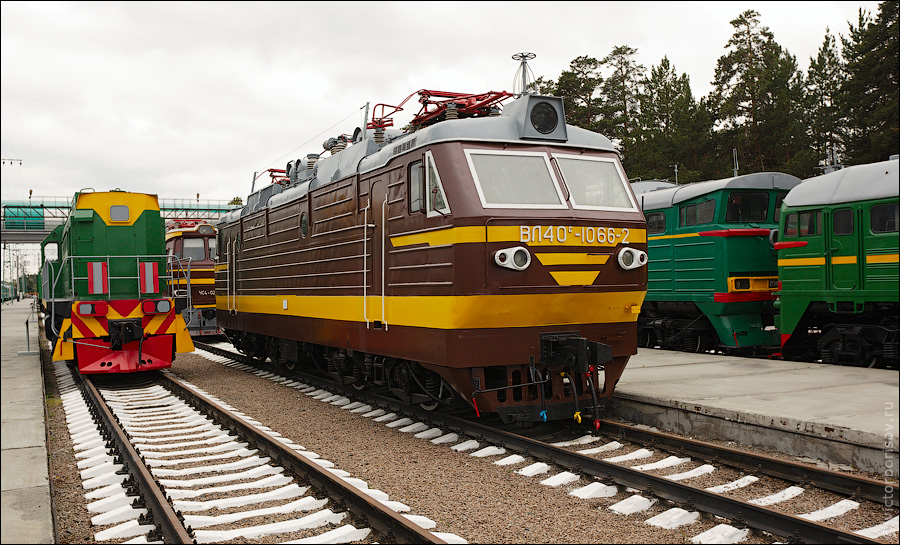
<point>184,98</point>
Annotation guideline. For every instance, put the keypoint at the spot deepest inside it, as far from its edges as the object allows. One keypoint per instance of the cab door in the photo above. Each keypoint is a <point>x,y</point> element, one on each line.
<point>843,249</point>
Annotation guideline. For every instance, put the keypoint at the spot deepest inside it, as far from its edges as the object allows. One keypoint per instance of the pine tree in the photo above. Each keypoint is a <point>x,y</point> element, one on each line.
<point>823,82</point>
<point>669,128</point>
<point>621,90</point>
<point>578,86</point>
<point>870,96</point>
<point>757,96</point>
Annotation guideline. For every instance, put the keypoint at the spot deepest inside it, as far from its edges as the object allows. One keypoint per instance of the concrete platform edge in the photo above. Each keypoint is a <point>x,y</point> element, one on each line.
<point>28,506</point>
<point>860,450</point>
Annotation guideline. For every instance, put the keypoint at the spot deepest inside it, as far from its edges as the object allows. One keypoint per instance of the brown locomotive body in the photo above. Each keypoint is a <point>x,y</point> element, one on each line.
<point>498,260</point>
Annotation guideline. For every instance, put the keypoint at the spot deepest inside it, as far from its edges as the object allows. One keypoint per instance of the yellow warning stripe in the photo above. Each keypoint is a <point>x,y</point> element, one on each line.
<point>886,258</point>
<point>194,281</point>
<point>685,235</point>
<point>838,260</point>
<point>798,261</point>
<point>843,260</point>
<point>574,278</point>
<point>511,233</point>
<point>453,312</point>
<point>563,258</point>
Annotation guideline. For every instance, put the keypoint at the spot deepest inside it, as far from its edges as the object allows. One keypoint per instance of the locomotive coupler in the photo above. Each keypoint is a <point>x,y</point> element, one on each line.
<point>122,332</point>
<point>568,348</point>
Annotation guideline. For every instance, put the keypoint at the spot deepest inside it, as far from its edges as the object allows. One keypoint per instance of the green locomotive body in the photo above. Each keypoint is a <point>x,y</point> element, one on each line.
<point>712,272</point>
<point>105,292</point>
<point>838,266</point>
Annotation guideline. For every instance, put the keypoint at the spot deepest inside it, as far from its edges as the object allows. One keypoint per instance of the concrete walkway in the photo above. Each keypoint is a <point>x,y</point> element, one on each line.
<point>26,508</point>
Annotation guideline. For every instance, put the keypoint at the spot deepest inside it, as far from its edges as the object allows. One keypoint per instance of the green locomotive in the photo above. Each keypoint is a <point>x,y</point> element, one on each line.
<point>712,272</point>
<point>838,266</point>
<point>105,289</point>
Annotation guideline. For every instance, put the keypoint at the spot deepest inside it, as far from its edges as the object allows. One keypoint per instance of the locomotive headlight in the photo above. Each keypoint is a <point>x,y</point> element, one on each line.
<point>92,309</point>
<point>156,306</point>
<point>629,258</point>
<point>544,118</point>
<point>517,259</point>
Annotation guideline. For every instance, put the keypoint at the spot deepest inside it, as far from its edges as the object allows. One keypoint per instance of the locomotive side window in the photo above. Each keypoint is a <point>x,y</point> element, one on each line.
<point>416,187</point>
<point>51,251</point>
<point>790,225</point>
<point>304,224</point>
<point>842,220</point>
<point>514,180</point>
<point>436,201</point>
<point>698,214</point>
<point>810,223</point>
<point>743,207</point>
<point>656,223</point>
<point>194,249</point>
<point>212,248</point>
<point>884,218</point>
<point>778,198</point>
<point>595,183</point>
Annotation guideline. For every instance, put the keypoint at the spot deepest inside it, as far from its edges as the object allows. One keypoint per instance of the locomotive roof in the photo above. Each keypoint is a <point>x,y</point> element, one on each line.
<point>665,198</point>
<point>856,183</point>
<point>362,157</point>
<point>651,185</point>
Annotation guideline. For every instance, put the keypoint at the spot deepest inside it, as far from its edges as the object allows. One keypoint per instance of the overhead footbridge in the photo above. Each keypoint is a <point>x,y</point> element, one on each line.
<point>31,220</point>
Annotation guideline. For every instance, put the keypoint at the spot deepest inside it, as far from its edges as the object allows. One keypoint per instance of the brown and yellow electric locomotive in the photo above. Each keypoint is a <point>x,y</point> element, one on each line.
<point>495,258</point>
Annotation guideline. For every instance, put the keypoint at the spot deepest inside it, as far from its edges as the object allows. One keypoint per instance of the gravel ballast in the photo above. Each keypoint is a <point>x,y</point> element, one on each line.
<point>467,496</point>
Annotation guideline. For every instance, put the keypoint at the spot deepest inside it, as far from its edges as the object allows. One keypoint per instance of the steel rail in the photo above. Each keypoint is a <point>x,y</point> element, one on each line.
<point>757,517</point>
<point>395,527</point>
<point>826,479</point>
<point>160,511</point>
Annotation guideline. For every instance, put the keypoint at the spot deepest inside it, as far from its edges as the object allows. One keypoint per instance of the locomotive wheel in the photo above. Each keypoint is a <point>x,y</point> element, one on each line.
<point>290,364</point>
<point>698,347</point>
<point>429,405</point>
<point>271,349</point>
<point>48,329</point>
<point>401,379</point>
<point>359,385</point>
<point>645,338</point>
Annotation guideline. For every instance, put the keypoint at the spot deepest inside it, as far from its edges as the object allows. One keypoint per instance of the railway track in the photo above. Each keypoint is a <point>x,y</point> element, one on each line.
<point>162,460</point>
<point>610,474</point>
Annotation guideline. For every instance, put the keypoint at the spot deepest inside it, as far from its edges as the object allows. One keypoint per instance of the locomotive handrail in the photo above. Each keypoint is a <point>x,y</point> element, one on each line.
<point>231,279</point>
<point>72,260</point>
<point>233,270</point>
<point>384,241</point>
<point>366,262</point>
<point>228,251</point>
<point>190,295</point>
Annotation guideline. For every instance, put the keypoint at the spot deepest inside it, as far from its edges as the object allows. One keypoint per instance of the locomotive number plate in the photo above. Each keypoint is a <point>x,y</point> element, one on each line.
<point>563,234</point>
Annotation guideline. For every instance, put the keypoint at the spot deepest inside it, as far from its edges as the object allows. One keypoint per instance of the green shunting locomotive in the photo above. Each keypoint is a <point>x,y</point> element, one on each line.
<point>838,266</point>
<point>712,274</point>
<point>105,287</point>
